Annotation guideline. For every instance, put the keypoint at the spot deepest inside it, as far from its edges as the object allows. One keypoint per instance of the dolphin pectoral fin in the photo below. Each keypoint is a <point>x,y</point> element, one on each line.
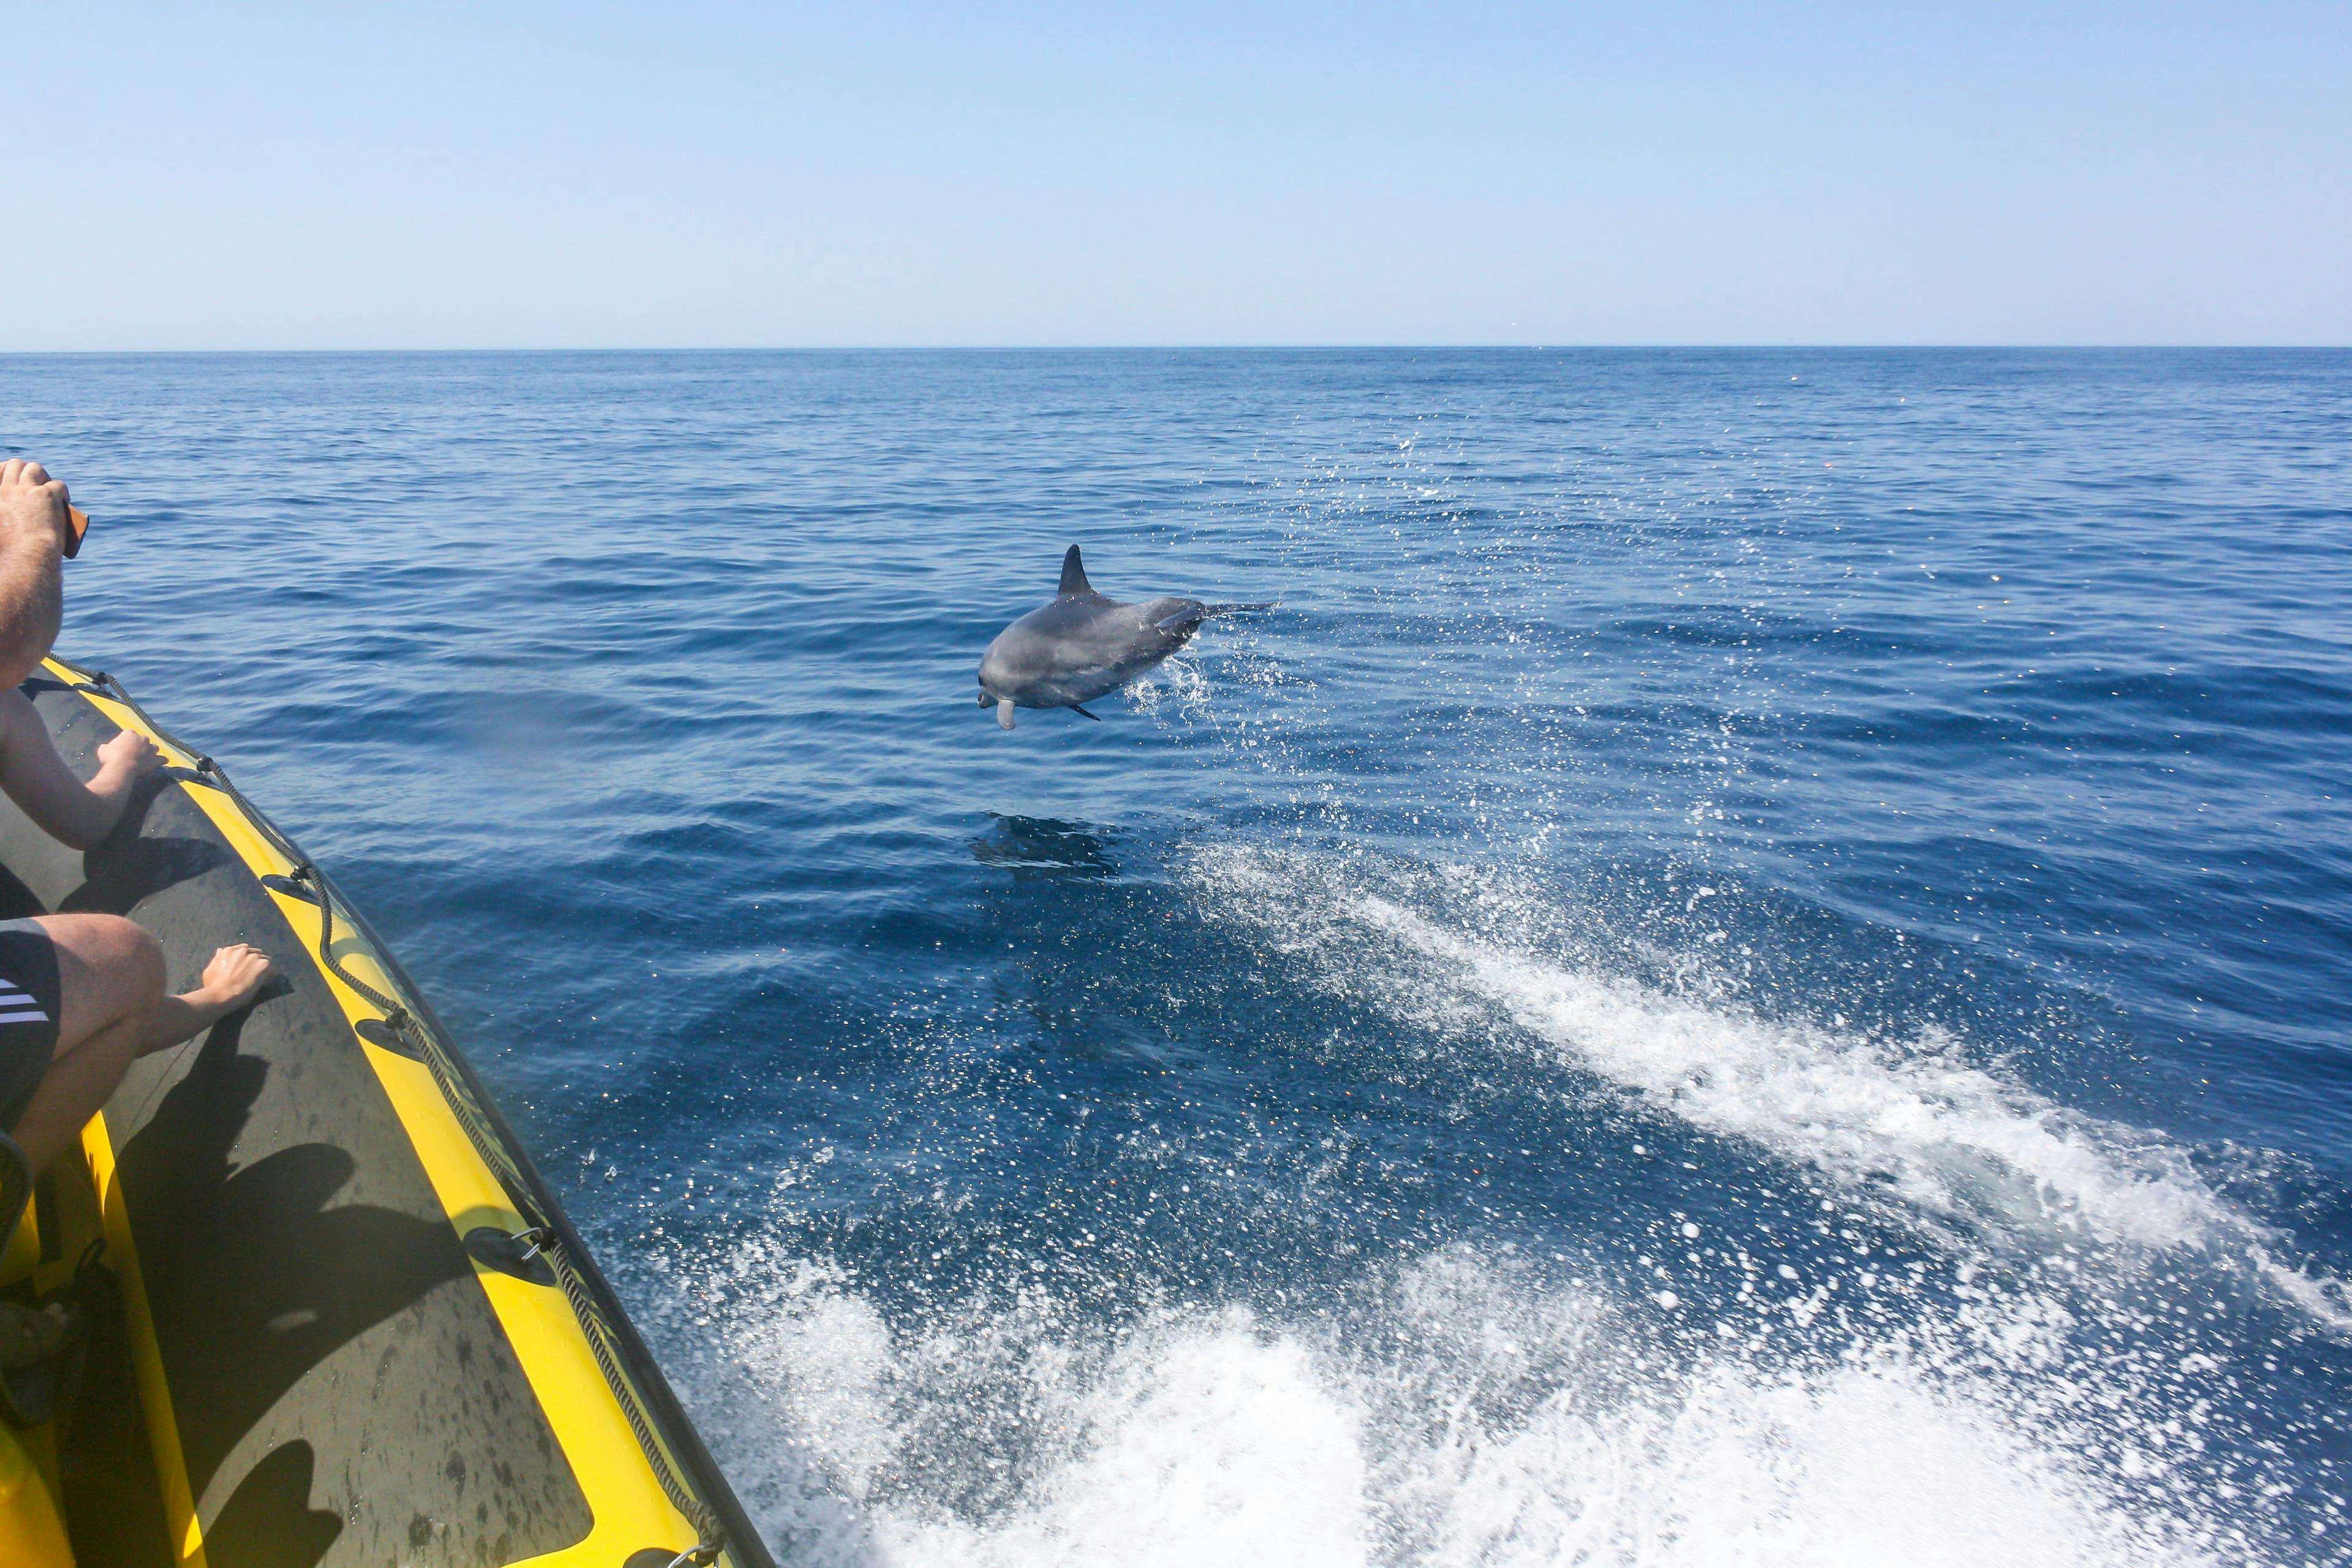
<point>1004,712</point>
<point>1184,619</point>
<point>1075,708</point>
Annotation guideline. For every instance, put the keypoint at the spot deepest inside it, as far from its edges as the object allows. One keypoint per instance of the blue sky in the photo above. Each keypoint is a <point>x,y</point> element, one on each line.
<point>525,174</point>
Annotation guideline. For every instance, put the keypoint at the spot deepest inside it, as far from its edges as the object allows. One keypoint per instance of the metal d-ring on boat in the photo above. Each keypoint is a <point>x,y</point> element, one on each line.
<point>354,1327</point>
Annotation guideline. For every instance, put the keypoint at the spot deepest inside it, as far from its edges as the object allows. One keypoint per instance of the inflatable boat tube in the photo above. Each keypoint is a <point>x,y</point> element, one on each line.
<point>326,1311</point>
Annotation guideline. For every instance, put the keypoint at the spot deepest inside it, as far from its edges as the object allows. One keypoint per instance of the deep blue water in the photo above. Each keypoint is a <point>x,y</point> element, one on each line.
<point>1755,965</point>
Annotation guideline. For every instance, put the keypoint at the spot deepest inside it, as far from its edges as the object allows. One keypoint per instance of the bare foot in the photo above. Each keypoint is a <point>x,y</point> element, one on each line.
<point>235,972</point>
<point>231,979</point>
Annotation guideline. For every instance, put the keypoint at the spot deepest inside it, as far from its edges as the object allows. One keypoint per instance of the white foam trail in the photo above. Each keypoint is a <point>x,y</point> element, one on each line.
<point>1949,1138</point>
<point>1398,1436</point>
<point>1216,1445</point>
<point>1861,1467</point>
<point>1468,1407</point>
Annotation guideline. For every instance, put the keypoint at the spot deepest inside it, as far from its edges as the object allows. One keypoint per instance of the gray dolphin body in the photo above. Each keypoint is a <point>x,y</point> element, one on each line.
<point>1082,645</point>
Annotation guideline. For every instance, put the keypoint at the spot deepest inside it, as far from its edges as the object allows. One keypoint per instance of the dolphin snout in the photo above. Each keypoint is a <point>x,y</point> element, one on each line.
<point>995,680</point>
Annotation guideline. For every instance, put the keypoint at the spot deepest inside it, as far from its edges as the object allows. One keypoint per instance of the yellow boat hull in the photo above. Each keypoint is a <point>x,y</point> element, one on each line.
<point>356,1327</point>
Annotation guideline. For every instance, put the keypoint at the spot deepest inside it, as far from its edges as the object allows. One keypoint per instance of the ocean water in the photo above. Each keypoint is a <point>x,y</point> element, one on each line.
<point>1755,966</point>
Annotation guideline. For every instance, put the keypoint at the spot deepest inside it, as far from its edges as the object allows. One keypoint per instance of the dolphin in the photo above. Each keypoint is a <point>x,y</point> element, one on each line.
<point>1082,645</point>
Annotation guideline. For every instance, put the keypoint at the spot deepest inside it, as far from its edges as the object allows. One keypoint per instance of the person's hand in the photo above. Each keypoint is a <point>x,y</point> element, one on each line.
<point>31,503</point>
<point>232,976</point>
<point>129,756</point>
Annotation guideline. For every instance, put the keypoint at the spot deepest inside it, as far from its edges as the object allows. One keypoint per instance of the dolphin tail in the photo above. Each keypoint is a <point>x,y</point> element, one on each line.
<point>1076,710</point>
<point>1004,712</point>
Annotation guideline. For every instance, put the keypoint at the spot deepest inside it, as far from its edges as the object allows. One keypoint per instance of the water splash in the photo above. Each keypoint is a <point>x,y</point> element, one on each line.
<point>1463,1408</point>
<point>1475,954</point>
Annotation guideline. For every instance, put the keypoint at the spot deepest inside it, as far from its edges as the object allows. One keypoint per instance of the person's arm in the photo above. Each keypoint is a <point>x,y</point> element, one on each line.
<point>32,589</point>
<point>32,601</point>
<point>34,776</point>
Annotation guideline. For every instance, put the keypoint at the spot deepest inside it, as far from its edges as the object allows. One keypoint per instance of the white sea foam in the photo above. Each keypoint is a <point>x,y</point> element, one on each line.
<point>1212,1445</point>
<point>1910,1118</point>
<point>1463,1413</point>
<point>1466,1405</point>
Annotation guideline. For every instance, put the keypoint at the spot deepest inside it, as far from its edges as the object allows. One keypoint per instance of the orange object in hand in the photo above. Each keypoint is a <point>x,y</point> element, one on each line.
<point>78,521</point>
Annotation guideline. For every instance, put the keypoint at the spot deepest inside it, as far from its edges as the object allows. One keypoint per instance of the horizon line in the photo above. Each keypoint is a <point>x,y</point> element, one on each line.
<point>1204,349</point>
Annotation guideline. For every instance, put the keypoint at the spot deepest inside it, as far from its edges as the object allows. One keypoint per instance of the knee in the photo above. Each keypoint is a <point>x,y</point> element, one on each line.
<point>132,959</point>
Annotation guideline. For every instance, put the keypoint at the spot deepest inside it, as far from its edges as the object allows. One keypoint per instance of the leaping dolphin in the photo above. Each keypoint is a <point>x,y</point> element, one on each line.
<point>1082,645</point>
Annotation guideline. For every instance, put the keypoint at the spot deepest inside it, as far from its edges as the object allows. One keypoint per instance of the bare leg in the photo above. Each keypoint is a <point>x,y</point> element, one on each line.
<point>75,1085</point>
<point>112,1010</point>
<point>228,983</point>
<point>108,969</point>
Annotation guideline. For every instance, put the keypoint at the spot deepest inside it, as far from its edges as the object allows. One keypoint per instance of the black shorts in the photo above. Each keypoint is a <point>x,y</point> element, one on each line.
<point>28,1015</point>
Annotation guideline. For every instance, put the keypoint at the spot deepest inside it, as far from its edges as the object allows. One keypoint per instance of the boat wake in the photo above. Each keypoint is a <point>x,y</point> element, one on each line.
<point>1464,1408</point>
<point>2043,1367</point>
<point>1908,1124</point>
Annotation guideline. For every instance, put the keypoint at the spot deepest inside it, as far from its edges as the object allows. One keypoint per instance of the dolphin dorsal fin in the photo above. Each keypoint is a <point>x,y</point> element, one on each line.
<point>1074,575</point>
